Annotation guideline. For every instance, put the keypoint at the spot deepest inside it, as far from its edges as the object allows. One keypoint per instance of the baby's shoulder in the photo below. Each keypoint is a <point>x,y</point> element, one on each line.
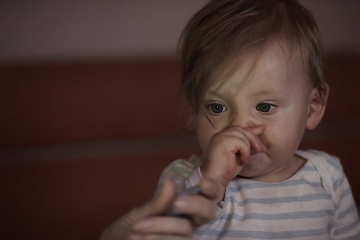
<point>322,159</point>
<point>328,166</point>
<point>184,166</point>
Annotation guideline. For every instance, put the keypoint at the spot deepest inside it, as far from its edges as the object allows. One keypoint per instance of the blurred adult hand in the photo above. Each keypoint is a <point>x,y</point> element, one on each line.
<point>149,221</point>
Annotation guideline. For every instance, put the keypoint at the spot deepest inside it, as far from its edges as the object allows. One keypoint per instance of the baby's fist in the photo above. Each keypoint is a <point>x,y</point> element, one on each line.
<point>228,152</point>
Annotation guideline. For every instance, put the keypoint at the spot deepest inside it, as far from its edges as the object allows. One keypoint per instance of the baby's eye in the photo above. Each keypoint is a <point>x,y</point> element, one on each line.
<point>265,107</point>
<point>217,108</point>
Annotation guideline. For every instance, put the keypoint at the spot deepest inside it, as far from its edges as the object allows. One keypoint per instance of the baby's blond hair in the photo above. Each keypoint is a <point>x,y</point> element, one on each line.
<point>224,29</point>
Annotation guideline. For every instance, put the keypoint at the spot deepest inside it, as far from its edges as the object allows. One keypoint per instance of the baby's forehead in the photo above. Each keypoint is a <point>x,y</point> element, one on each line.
<point>265,65</point>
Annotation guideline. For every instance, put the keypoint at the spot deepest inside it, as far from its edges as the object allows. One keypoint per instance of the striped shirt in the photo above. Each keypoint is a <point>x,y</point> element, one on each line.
<point>316,203</point>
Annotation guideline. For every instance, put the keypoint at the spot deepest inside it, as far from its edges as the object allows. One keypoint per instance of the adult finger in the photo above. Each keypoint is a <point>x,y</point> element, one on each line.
<point>211,189</point>
<point>164,225</point>
<point>156,237</point>
<point>200,209</point>
<point>121,228</point>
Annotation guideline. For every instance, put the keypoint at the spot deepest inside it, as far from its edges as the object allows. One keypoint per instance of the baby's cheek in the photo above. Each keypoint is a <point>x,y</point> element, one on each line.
<point>204,134</point>
<point>203,140</point>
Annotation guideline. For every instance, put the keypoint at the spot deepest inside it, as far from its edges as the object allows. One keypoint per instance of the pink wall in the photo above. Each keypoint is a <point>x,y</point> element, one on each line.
<point>50,30</point>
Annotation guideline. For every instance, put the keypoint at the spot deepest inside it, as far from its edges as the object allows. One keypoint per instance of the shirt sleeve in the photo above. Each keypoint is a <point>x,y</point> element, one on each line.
<point>347,224</point>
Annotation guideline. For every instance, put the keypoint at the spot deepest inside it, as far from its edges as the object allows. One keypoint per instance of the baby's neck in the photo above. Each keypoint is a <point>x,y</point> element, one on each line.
<point>283,173</point>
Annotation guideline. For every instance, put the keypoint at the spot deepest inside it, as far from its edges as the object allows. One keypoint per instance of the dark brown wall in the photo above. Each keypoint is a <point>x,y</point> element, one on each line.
<point>75,102</point>
<point>82,143</point>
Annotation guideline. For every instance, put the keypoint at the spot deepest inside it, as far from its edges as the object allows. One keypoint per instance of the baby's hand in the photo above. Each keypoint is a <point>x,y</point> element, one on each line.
<point>228,152</point>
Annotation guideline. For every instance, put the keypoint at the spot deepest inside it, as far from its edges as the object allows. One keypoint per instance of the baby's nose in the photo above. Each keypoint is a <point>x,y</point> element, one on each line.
<point>248,122</point>
<point>257,129</point>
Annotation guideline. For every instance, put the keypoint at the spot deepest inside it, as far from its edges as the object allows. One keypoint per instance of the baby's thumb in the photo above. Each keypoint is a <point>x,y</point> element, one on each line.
<point>124,225</point>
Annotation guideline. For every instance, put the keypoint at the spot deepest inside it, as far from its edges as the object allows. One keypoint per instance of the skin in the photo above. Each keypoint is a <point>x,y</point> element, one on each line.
<point>238,137</point>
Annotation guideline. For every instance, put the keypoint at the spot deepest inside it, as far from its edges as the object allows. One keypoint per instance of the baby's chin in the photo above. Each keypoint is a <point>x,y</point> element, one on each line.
<point>250,174</point>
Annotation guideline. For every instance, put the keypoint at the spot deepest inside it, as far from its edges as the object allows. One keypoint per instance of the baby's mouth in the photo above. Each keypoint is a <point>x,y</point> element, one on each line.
<point>253,152</point>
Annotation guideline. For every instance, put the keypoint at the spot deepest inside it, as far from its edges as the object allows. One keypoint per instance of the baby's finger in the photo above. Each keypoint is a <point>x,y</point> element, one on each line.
<point>164,225</point>
<point>254,140</point>
<point>247,142</point>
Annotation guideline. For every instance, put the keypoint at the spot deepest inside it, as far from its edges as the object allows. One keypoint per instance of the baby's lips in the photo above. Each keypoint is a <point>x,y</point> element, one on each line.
<point>253,152</point>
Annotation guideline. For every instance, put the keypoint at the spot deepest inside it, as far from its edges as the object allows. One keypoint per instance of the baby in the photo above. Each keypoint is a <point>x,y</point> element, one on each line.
<point>252,76</point>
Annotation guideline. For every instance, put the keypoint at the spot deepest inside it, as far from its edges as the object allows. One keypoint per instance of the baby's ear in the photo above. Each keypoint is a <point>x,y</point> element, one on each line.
<point>317,106</point>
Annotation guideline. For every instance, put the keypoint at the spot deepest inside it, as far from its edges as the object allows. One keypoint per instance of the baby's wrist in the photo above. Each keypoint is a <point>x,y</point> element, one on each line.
<point>206,172</point>
<point>222,183</point>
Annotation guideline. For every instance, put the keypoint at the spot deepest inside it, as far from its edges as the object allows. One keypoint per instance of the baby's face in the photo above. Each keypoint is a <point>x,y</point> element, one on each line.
<point>269,95</point>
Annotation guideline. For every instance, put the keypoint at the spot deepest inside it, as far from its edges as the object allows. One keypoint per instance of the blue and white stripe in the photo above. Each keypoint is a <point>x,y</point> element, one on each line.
<point>299,208</point>
<point>314,204</point>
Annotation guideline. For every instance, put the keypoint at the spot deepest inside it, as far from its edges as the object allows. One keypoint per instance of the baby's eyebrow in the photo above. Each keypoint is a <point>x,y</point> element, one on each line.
<point>270,92</point>
<point>255,93</point>
<point>229,96</point>
<point>265,92</point>
<point>216,94</point>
